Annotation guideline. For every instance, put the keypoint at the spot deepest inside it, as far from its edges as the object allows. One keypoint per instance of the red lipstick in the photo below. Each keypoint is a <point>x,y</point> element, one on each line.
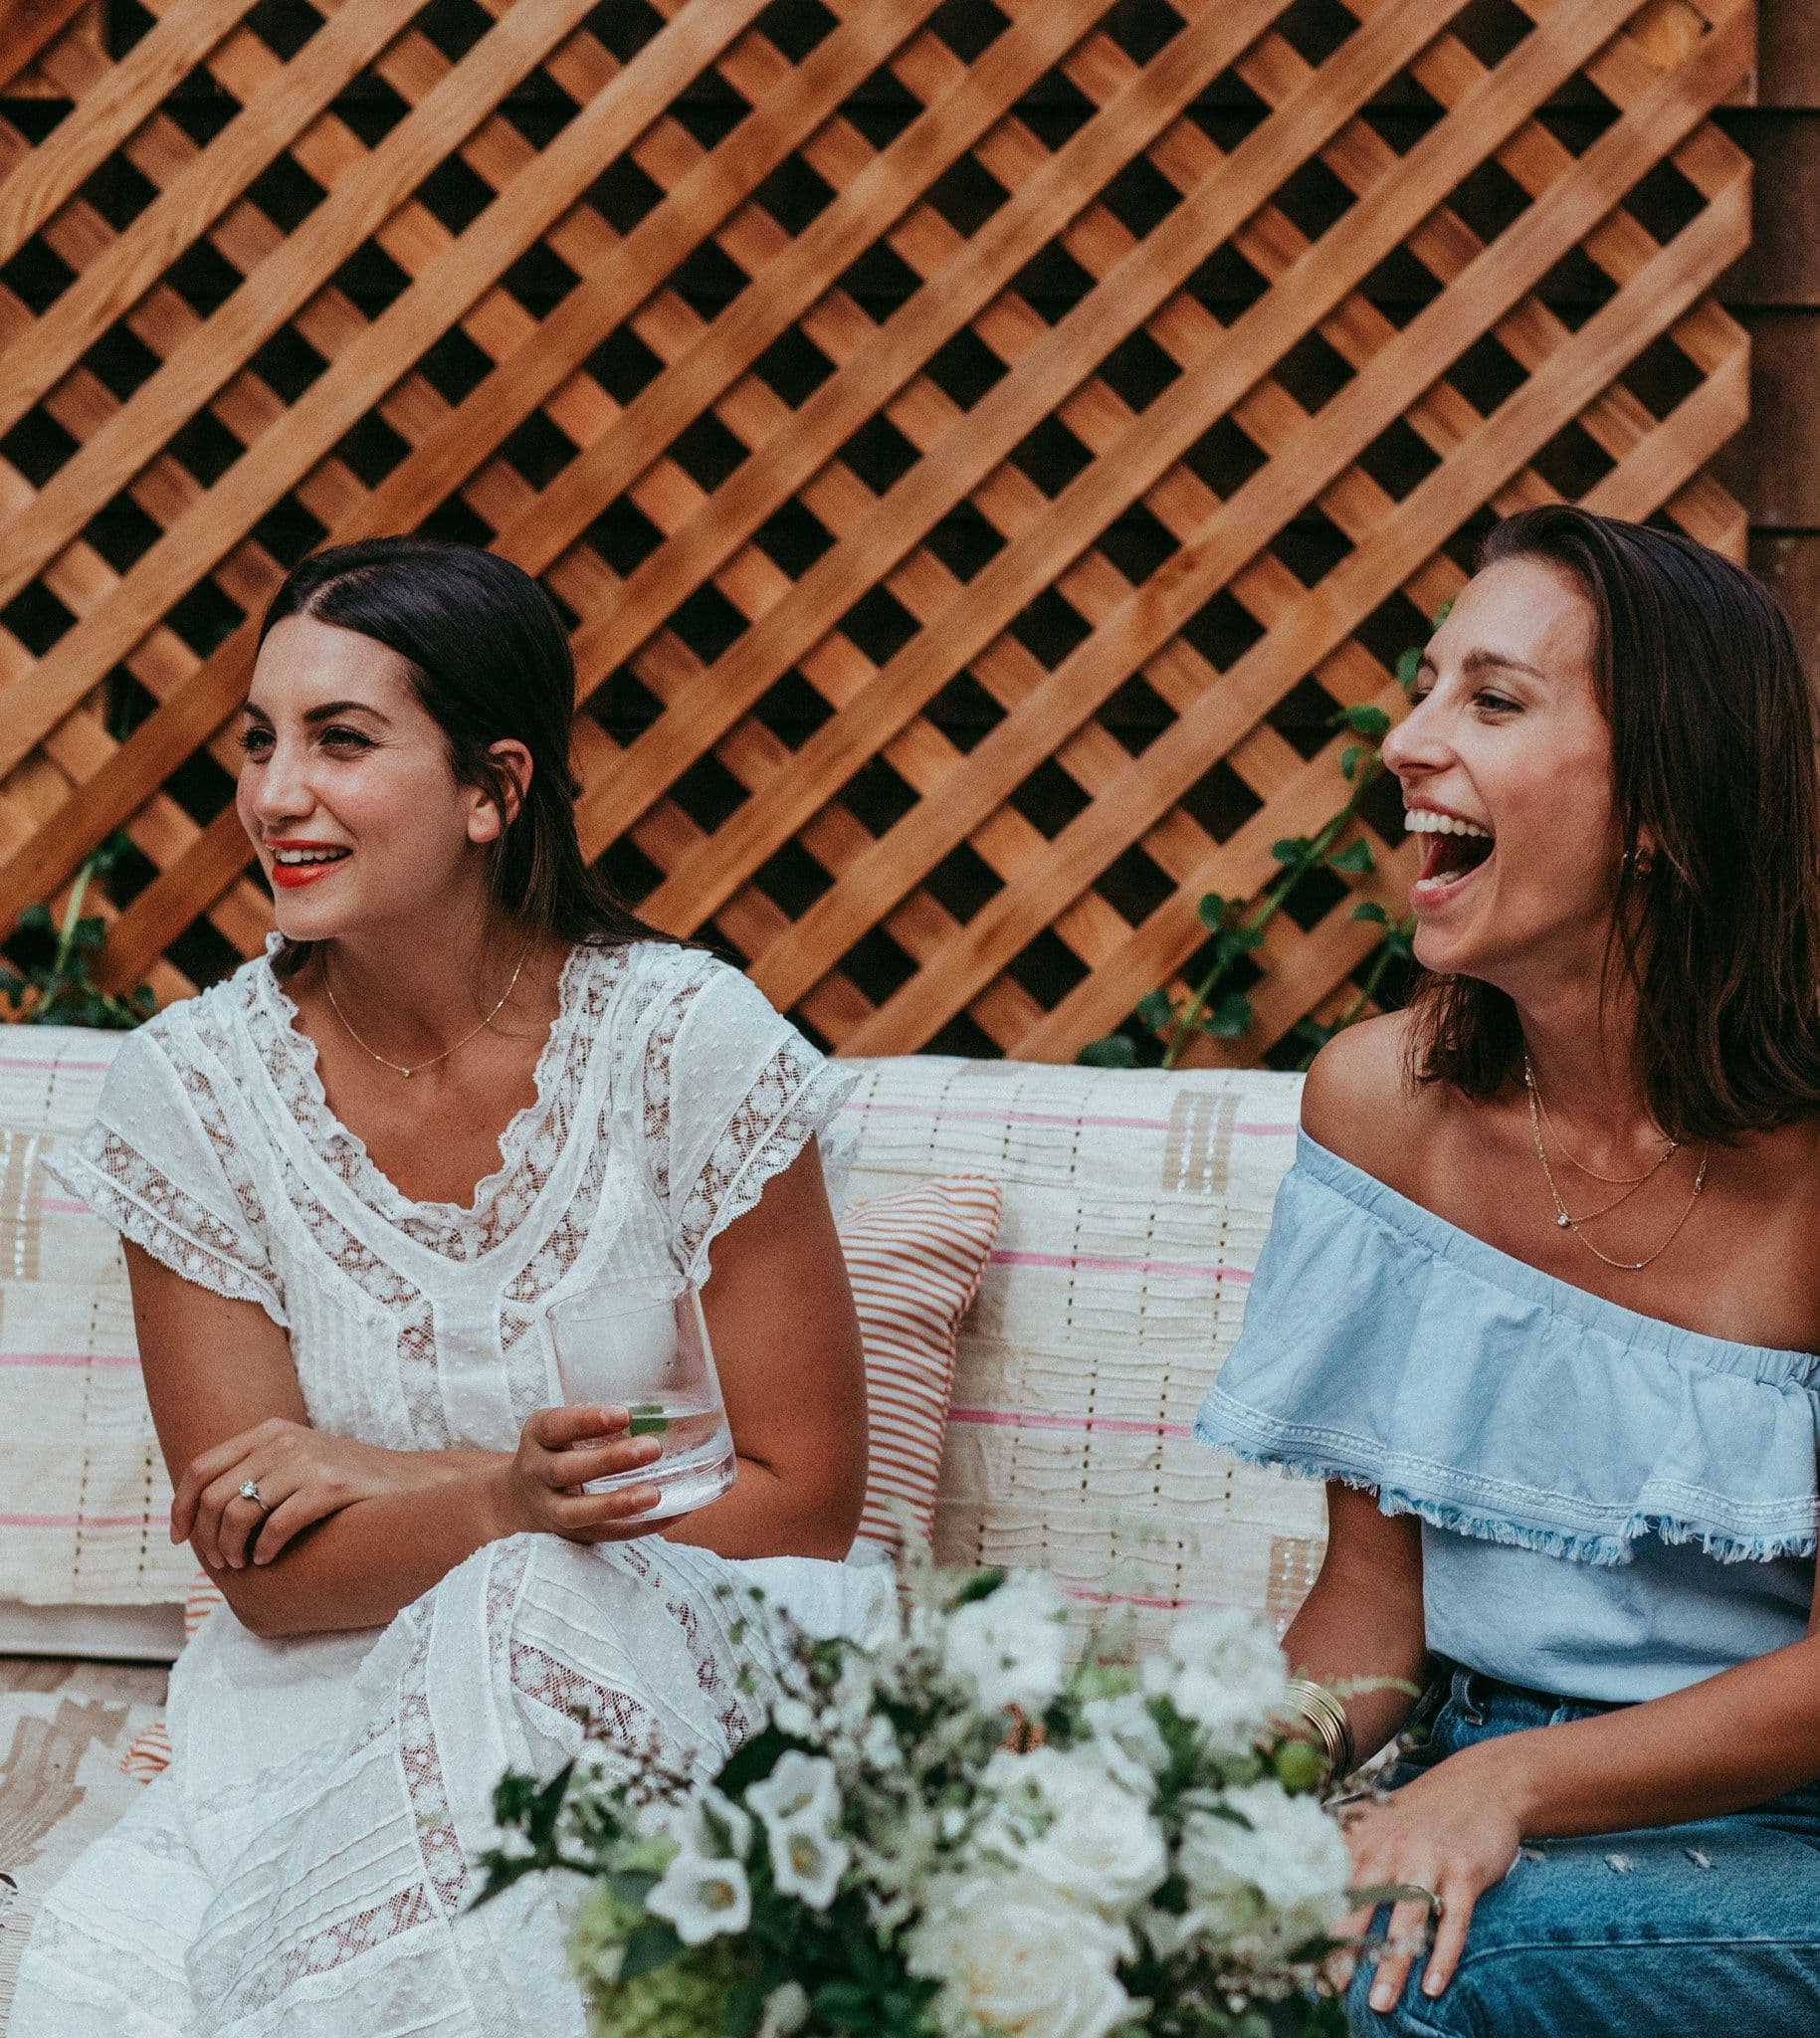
<point>290,875</point>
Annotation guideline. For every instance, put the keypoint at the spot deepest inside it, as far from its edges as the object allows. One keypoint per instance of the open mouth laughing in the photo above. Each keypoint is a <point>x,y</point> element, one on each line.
<point>1457,851</point>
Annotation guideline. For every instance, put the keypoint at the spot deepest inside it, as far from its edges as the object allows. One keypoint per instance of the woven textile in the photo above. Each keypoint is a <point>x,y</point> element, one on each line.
<point>1134,1204</point>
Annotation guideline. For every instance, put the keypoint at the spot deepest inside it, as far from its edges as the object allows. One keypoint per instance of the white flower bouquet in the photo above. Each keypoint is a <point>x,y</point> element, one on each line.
<point>952,1834</point>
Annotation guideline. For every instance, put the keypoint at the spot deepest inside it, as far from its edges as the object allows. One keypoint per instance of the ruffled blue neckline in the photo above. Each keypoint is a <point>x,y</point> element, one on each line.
<point>1503,1270</point>
<point>1385,1347</point>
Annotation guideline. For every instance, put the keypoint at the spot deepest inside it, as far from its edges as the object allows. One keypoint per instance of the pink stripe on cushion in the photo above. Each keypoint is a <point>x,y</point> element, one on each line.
<point>127,1360</point>
<point>1030,1418</point>
<point>1243,1128</point>
<point>39,1066</point>
<point>77,1521</point>
<point>1104,1263</point>
<point>913,1259</point>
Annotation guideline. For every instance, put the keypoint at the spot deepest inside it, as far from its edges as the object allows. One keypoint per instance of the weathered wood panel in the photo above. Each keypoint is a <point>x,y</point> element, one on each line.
<point>980,446</point>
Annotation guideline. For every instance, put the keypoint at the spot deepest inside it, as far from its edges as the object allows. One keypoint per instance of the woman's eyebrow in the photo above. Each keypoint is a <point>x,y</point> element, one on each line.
<point>1478,661</point>
<point>324,712</point>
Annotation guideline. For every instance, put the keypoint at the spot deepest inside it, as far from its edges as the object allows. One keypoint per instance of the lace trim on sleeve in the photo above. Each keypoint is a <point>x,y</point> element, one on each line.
<point>127,1191</point>
<point>795,1094</point>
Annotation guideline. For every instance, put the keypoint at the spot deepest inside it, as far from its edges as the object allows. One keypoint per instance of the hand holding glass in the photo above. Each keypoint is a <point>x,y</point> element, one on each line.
<point>647,1350</point>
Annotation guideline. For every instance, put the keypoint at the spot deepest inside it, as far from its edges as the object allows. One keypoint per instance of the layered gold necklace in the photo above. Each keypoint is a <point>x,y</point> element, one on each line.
<point>1630,1183</point>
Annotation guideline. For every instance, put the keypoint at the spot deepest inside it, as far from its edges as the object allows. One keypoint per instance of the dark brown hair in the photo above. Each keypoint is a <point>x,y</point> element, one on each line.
<point>1712,730</point>
<point>489,660</point>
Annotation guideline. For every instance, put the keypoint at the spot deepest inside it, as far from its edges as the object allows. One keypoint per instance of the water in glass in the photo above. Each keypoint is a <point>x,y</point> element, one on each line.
<point>648,1350</point>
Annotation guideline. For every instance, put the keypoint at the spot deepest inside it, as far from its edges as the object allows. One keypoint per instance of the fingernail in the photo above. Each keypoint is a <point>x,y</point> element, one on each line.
<point>1381,1998</point>
<point>1431,1984</point>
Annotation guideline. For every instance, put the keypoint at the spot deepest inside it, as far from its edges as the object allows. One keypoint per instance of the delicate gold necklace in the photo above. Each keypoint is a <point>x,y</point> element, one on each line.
<point>1611,1181</point>
<point>1573,1224</point>
<point>398,1067</point>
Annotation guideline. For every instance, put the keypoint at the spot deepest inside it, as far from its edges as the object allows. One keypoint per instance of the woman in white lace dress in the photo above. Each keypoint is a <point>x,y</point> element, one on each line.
<point>351,1179</point>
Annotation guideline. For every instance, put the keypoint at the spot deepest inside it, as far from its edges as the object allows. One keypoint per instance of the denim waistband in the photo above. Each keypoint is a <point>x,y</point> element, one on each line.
<point>1490,1705</point>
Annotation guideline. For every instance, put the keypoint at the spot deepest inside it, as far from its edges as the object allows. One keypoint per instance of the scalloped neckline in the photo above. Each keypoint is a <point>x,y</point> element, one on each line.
<point>324,1129</point>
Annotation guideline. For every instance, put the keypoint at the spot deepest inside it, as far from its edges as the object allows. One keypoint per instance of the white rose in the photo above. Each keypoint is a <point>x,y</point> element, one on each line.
<point>702,1898</point>
<point>1221,1670</point>
<point>1128,1739</point>
<point>1012,1643</point>
<point>1069,1822</point>
<point>1015,1955</point>
<point>1270,1884</point>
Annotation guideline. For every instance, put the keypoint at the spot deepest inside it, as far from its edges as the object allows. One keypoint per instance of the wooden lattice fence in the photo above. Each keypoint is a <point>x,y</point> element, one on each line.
<point>978,445</point>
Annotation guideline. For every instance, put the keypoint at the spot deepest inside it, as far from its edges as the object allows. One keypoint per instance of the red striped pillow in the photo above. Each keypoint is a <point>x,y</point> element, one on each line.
<point>914,1259</point>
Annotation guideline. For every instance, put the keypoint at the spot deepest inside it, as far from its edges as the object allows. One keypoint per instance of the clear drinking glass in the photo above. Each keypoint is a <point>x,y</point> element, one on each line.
<point>646,1348</point>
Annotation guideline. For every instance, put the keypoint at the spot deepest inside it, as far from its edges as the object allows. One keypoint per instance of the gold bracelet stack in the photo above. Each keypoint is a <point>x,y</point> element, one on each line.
<point>1327,1716</point>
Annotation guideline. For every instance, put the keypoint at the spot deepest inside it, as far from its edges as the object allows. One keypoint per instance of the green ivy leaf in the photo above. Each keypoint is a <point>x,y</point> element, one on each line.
<point>1113,1051</point>
<point>1355,857</point>
<point>1156,1010</point>
<point>1230,1017</point>
<point>87,934</point>
<point>1292,849</point>
<point>1408,666</point>
<point>1365,719</point>
<point>1348,759</point>
<point>1214,910</point>
<point>35,919</point>
<point>1369,908</point>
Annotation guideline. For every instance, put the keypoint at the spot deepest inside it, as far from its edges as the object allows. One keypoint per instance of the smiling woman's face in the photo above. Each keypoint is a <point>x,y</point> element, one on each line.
<point>1506,766</point>
<point>345,787</point>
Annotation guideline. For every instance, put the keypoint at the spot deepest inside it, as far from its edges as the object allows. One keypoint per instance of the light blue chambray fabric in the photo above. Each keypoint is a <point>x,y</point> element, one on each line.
<point>1612,1507</point>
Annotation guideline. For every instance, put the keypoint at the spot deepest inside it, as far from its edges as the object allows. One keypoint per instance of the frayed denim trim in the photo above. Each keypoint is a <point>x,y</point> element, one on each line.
<point>1613,1547</point>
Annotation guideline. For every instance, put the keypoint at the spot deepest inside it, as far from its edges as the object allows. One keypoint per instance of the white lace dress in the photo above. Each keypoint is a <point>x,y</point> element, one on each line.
<point>306,1863</point>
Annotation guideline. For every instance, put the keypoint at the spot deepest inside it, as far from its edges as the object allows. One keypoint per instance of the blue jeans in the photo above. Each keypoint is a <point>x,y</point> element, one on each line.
<point>1710,1930</point>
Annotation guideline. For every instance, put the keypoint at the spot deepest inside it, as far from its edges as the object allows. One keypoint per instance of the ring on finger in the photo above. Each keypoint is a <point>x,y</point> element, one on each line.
<point>1436,1909</point>
<point>249,1491</point>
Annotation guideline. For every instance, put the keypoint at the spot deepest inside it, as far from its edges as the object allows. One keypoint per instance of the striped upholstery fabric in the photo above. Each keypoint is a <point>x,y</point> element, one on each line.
<point>914,1259</point>
<point>1134,1206</point>
<point>83,1500</point>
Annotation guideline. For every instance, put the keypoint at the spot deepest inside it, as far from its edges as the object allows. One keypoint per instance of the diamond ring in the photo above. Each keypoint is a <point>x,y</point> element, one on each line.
<point>249,1491</point>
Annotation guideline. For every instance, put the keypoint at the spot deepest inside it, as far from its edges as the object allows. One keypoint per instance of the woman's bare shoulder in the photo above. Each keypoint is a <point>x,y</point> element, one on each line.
<point>1362,1103</point>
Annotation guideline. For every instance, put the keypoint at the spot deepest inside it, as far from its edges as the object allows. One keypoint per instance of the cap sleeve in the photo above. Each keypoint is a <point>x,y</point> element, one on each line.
<point>161,1163</point>
<point>732,1094</point>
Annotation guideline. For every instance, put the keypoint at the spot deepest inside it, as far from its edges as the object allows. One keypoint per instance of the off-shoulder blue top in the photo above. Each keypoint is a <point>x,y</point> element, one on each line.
<point>1612,1508</point>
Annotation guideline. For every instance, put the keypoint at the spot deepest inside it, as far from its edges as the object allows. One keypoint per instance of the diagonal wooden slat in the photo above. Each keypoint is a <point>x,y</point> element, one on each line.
<point>630,279</point>
<point>978,448</point>
<point>1002,418</point>
<point>1310,288</point>
<point>1276,493</point>
<point>186,206</point>
<point>145,76</point>
<point>826,421</point>
<point>1584,364</point>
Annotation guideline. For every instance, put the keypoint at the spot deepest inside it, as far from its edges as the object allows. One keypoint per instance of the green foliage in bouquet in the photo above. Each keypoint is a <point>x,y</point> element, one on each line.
<point>951,1833</point>
<point>60,991</point>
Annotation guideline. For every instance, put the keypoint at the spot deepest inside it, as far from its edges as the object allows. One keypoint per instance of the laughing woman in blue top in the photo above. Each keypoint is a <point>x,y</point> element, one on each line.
<point>1541,1302</point>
